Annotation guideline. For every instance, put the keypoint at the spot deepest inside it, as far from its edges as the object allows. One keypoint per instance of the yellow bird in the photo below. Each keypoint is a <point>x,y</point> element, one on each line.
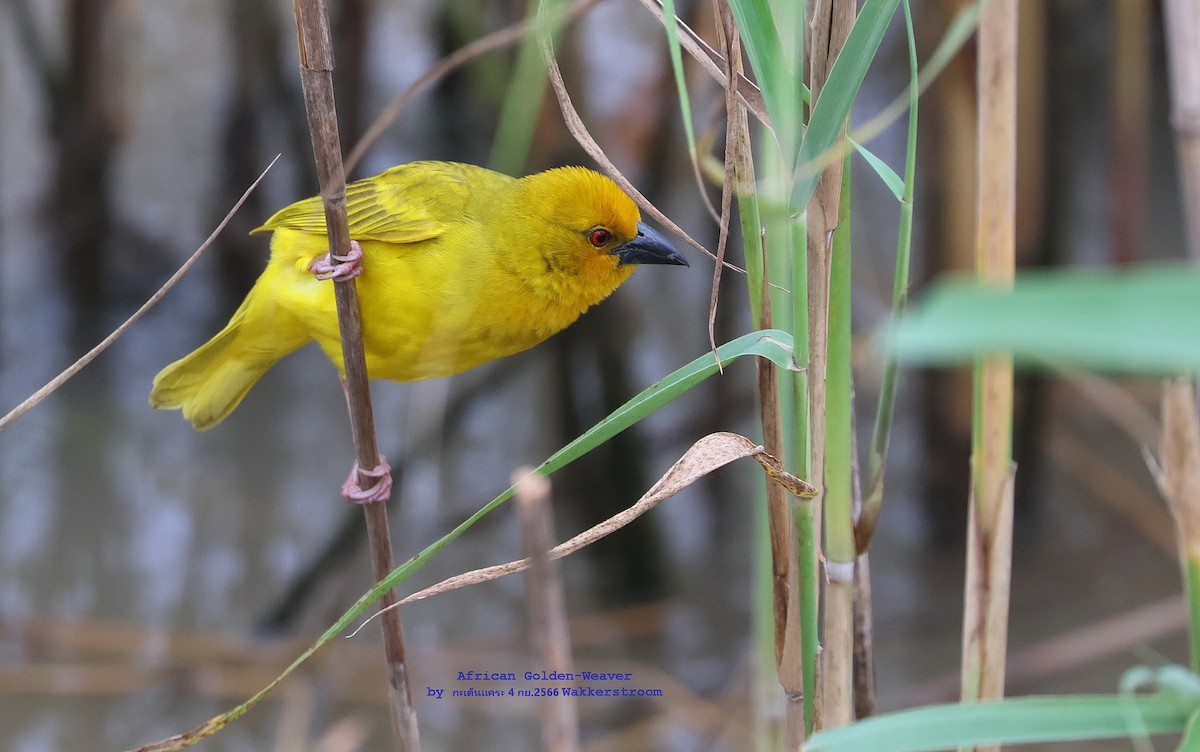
<point>459,265</point>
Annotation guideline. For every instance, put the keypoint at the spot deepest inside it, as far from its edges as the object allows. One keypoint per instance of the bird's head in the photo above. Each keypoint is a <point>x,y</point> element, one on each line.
<point>593,231</point>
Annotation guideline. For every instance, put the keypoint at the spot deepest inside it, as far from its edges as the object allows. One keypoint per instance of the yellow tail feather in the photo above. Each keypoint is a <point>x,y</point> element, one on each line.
<point>210,382</point>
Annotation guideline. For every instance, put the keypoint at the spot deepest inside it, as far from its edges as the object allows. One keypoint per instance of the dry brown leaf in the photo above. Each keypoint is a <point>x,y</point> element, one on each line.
<point>706,455</point>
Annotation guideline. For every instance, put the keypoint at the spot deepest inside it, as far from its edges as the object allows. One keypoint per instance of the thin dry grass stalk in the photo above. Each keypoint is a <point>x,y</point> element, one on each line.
<point>500,39</point>
<point>69,372</point>
<point>731,43</point>
<point>715,64</point>
<point>989,525</point>
<point>830,25</point>
<point>316,73</point>
<point>549,637</point>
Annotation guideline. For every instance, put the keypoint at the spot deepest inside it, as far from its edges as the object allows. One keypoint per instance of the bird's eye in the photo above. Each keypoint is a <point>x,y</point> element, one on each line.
<point>599,237</point>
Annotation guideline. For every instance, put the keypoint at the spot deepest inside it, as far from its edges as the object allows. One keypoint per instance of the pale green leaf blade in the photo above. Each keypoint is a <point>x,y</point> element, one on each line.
<point>1139,320</point>
<point>894,182</point>
<point>1015,721</point>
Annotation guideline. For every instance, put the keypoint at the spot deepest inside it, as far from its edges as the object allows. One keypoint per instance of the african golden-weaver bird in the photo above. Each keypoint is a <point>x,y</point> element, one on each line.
<point>459,265</point>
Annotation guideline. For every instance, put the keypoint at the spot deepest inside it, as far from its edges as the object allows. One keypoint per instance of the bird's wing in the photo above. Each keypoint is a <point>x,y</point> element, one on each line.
<point>406,204</point>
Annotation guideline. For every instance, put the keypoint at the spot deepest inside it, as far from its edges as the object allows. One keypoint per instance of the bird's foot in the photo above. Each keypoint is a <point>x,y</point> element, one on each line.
<point>380,490</point>
<point>345,269</point>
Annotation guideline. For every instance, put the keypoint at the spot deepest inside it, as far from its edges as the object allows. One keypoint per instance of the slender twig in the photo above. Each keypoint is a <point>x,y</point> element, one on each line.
<point>715,65</point>
<point>68,373</point>
<point>989,526</point>
<point>316,72</point>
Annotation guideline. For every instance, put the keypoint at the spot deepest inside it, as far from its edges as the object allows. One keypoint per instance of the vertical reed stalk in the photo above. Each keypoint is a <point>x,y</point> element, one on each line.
<point>830,25</point>
<point>316,73</point>
<point>989,526</point>
<point>781,569</point>
<point>1180,460</point>
<point>549,637</point>
<point>837,669</point>
<point>1180,484</point>
<point>1182,22</point>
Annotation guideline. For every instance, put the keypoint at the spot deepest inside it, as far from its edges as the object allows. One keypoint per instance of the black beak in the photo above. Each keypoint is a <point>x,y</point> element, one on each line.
<point>649,247</point>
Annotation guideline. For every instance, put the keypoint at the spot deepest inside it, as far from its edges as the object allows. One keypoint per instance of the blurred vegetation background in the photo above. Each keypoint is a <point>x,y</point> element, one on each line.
<point>150,575</point>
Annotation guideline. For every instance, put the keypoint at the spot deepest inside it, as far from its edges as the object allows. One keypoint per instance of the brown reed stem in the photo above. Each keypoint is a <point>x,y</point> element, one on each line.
<point>316,74</point>
<point>1180,452</point>
<point>989,531</point>
<point>549,637</point>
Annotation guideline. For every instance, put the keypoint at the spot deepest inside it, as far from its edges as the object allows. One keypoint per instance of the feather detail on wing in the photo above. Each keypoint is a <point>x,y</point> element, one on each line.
<point>393,207</point>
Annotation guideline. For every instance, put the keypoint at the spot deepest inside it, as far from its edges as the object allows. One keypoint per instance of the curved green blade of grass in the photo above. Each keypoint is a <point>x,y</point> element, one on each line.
<point>841,88</point>
<point>1021,720</point>
<point>1140,320</point>
<point>772,344</point>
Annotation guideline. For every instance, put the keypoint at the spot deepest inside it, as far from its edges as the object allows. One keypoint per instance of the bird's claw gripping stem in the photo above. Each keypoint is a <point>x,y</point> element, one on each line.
<point>380,490</point>
<point>347,267</point>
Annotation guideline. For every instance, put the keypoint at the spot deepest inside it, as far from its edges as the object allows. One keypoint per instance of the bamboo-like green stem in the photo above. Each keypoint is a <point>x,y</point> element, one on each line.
<point>806,518</point>
<point>886,408</point>
<point>316,72</point>
<point>989,534</point>
<point>774,568</point>
<point>830,26</point>
<point>837,677</point>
